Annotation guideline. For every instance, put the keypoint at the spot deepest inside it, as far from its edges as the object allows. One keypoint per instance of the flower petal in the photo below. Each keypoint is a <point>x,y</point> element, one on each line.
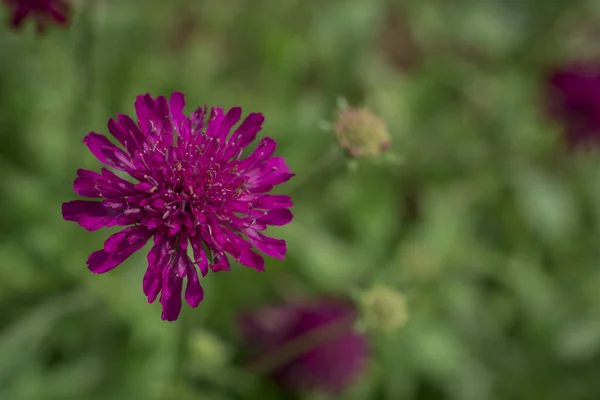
<point>193,290</point>
<point>91,215</point>
<point>214,122</point>
<point>272,201</point>
<point>19,14</point>
<point>244,134</point>
<point>199,255</point>
<point>268,245</point>
<point>278,217</point>
<point>157,260</point>
<point>144,108</point>
<point>170,299</point>
<point>265,149</point>
<point>132,129</point>
<point>233,116</point>
<point>86,183</point>
<point>274,172</point>
<point>117,249</point>
<point>151,283</point>
<point>162,121</point>
<point>252,259</point>
<point>176,106</point>
<point>220,262</point>
<point>106,152</point>
<point>124,134</point>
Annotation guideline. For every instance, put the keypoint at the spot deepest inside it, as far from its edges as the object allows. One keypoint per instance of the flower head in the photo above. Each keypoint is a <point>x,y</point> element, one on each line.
<point>384,308</point>
<point>190,186</point>
<point>313,344</point>
<point>574,100</point>
<point>42,11</point>
<point>361,133</point>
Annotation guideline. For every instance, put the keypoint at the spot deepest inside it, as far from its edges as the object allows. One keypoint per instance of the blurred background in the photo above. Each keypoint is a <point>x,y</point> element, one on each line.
<point>488,229</point>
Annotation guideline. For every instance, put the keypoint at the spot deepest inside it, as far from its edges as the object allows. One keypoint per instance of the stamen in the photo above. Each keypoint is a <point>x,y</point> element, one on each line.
<point>132,211</point>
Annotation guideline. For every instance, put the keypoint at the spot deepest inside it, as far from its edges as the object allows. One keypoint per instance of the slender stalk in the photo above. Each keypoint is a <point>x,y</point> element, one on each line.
<point>182,345</point>
<point>85,85</point>
<point>300,345</point>
<point>329,159</point>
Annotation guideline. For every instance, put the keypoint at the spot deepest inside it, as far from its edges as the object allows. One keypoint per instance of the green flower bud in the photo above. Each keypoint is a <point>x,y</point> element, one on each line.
<point>361,133</point>
<point>384,309</point>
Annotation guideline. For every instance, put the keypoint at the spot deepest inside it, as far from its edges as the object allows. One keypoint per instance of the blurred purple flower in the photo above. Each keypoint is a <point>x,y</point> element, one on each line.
<point>574,100</point>
<point>307,345</point>
<point>193,186</point>
<point>42,11</point>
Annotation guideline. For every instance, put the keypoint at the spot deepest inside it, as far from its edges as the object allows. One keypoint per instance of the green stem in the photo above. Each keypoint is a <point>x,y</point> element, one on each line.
<point>182,346</point>
<point>329,159</point>
<point>85,87</point>
<point>300,345</point>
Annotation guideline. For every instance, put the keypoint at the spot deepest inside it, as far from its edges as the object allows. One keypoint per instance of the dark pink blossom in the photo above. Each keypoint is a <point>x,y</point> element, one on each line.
<point>315,342</point>
<point>42,11</point>
<point>190,186</point>
<point>574,100</point>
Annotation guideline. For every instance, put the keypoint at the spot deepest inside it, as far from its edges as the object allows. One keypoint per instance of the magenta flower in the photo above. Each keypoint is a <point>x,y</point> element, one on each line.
<point>574,100</point>
<point>313,344</point>
<point>191,185</point>
<point>42,11</point>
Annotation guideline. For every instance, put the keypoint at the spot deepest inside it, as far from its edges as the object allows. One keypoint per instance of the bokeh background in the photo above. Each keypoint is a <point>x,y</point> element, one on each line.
<point>489,227</point>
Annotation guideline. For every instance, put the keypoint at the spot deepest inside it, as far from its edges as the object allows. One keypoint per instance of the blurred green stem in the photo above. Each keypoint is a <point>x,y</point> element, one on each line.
<point>85,87</point>
<point>328,160</point>
<point>302,344</point>
<point>182,348</point>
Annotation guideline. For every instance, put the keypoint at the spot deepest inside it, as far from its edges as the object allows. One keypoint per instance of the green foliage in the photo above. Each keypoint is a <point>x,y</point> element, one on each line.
<point>499,263</point>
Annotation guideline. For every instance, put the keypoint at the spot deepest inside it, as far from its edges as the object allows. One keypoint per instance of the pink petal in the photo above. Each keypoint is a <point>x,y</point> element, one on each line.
<point>151,283</point>
<point>106,152</point>
<point>144,109</point>
<point>91,215</point>
<point>276,217</point>
<point>170,299</point>
<point>176,105</point>
<point>252,259</point>
<point>131,129</point>
<point>86,183</point>
<point>221,262</point>
<point>274,172</point>
<point>118,248</point>
<point>272,201</point>
<point>233,116</point>
<point>19,14</point>
<point>123,135</point>
<point>263,151</point>
<point>162,121</point>
<point>214,122</point>
<point>193,290</point>
<point>200,256</point>
<point>270,246</point>
<point>60,16</point>
<point>244,134</point>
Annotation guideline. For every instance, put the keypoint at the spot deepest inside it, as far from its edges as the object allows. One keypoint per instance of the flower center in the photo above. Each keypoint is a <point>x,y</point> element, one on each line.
<point>187,192</point>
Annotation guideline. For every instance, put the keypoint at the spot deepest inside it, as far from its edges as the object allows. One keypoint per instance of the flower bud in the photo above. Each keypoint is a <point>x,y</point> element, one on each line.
<point>361,133</point>
<point>384,309</point>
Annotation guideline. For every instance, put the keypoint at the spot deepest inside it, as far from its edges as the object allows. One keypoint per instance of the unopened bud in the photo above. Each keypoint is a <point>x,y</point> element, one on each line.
<point>361,133</point>
<point>384,309</point>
